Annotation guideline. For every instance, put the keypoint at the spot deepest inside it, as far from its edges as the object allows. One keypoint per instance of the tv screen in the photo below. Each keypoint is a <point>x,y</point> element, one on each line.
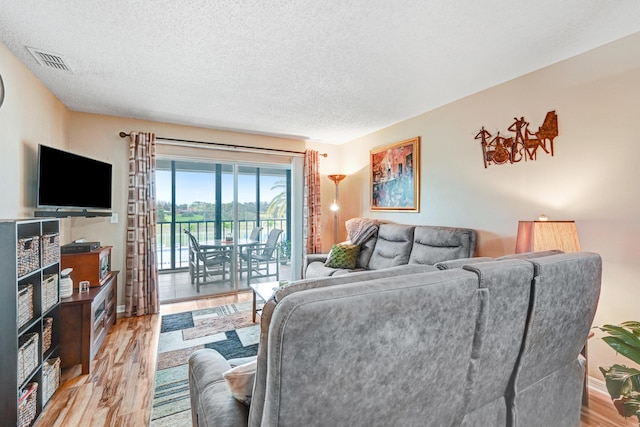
<point>68,180</point>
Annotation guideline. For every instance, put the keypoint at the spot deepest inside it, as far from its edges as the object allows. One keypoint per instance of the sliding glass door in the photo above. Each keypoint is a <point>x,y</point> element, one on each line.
<point>219,205</point>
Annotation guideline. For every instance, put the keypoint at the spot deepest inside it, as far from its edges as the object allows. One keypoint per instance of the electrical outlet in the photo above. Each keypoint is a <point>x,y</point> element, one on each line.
<point>114,218</point>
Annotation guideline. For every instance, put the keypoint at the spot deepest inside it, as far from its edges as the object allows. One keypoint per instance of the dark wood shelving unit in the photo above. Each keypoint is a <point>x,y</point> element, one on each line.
<point>40,275</point>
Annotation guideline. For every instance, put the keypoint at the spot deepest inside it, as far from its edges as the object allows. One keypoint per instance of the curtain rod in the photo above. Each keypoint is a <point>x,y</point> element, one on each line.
<point>232,146</point>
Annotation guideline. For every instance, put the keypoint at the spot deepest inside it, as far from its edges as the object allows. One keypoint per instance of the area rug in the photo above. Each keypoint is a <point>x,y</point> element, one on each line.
<point>227,329</point>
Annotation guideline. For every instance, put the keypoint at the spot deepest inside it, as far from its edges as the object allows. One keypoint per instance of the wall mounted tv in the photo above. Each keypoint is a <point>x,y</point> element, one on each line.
<point>70,181</point>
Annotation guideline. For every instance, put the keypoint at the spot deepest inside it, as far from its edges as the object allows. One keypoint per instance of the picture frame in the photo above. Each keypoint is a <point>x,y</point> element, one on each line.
<point>395,176</point>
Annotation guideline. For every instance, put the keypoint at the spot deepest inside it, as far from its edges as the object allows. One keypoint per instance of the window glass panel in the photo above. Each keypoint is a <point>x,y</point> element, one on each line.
<point>247,208</point>
<point>164,209</point>
<point>200,196</point>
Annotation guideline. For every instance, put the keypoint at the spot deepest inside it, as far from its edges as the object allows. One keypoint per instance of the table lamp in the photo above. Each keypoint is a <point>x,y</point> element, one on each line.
<point>543,235</point>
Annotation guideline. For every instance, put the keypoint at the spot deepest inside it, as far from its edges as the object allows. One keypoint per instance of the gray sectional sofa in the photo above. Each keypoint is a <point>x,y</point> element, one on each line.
<point>484,343</point>
<point>390,245</point>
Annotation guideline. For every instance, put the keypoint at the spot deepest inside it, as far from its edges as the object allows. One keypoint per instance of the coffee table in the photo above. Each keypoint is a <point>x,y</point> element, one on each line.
<point>264,291</point>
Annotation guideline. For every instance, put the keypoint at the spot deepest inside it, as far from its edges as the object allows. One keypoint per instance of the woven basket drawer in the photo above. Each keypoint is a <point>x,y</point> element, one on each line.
<point>28,255</point>
<point>49,291</point>
<point>50,248</point>
<point>50,378</point>
<point>25,304</point>
<point>27,405</point>
<point>47,332</point>
<point>28,356</point>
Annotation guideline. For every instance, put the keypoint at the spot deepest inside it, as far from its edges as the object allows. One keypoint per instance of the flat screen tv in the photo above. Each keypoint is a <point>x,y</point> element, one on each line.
<point>68,180</point>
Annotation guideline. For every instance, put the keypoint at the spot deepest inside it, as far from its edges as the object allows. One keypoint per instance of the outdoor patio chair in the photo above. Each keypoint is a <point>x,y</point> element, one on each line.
<point>255,233</point>
<point>255,236</point>
<point>258,258</point>
<point>205,263</point>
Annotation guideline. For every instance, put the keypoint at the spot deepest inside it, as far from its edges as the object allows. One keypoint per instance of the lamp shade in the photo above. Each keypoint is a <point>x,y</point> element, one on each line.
<point>534,236</point>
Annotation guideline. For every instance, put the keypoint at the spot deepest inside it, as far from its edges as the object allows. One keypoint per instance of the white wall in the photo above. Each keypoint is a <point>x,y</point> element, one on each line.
<point>591,179</point>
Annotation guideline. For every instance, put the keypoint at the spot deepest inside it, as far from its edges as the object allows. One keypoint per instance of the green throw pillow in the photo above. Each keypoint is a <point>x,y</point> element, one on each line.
<point>343,255</point>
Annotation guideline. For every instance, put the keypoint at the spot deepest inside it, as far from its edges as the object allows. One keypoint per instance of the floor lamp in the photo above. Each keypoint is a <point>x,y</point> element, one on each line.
<point>335,207</point>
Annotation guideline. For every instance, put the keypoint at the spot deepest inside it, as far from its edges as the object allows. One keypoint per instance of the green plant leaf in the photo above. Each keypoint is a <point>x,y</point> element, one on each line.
<point>621,380</point>
<point>623,383</point>
<point>631,352</point>
<point>622,333</point>
<point>631,405</point>
<point>622,341</point>
<point>633,326</point>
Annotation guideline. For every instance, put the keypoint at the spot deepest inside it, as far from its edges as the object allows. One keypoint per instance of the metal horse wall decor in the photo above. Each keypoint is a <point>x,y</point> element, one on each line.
<point>524,144</point>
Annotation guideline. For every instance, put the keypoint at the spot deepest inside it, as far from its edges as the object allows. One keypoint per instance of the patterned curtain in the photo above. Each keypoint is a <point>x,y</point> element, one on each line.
<point>141,291</point>
<point>312,208</point>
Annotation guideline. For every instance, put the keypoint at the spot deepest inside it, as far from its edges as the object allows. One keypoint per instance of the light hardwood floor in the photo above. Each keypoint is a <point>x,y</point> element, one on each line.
<point>119,390</point>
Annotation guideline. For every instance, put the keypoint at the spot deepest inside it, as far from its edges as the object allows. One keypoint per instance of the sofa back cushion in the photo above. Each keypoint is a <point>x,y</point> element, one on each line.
<point>435,244</point>
<point>366,250</point>
<point>505,287</point>
<point>259,389</point>
<point>337,353</point>
<point>566,289</point>
<point>393,246</point>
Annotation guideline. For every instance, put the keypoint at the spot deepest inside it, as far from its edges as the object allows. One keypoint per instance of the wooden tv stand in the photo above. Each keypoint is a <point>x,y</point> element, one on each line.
<point>85,320</point>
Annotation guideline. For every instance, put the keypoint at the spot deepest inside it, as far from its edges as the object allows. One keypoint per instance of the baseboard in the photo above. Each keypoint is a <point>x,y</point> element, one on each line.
<point>119,309</point>
<point>598,386</point>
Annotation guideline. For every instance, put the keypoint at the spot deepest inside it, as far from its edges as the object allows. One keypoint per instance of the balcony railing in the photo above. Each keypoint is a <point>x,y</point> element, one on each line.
<point>204,230</point>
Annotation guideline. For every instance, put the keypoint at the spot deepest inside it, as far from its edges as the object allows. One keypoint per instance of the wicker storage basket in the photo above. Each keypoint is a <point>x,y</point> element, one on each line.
<point>50,379</point>
<point>47,332</point>
<point>50,248</point>
<point>25,304</point>
<point>27,356</point>
<point>28,255</point>
<point>27,405</point>
<point>49,291</point>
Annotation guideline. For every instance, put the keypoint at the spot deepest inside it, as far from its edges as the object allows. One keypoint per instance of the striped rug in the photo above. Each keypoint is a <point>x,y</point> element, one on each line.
<point>227,329</point>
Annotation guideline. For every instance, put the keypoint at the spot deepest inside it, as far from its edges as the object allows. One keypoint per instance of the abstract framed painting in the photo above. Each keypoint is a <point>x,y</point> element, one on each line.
<point>395,176</point>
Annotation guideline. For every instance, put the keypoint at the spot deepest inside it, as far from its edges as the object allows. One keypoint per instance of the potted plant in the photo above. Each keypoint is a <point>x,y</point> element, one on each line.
<point>285,251</point>
<point>623,382</point>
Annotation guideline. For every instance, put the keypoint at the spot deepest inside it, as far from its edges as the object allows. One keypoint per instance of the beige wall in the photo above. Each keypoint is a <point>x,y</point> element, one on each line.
<point>592,178</point>
<point>30,115</point>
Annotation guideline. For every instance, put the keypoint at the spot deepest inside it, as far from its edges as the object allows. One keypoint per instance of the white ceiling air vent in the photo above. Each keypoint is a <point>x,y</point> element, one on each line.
<point>48,59</point>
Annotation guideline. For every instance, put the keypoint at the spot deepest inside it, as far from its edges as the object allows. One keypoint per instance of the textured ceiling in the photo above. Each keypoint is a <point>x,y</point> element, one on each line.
<point>328,71</point>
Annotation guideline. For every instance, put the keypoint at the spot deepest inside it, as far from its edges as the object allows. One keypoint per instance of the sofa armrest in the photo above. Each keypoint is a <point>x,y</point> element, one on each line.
<point>241,361</point>
<point>212,404</point>
<point>309,258</point>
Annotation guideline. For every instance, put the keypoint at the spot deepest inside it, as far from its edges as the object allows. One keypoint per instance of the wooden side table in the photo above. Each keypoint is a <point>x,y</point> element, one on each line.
<point>85,321</point>
<point>585,386</point>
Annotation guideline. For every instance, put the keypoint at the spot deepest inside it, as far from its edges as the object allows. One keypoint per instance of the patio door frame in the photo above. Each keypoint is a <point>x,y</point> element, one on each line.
<point>293,176</point>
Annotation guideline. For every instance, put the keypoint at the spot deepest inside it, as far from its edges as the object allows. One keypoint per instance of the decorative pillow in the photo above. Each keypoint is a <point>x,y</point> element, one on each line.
<point>343,255</point>
<point>240,381</point>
